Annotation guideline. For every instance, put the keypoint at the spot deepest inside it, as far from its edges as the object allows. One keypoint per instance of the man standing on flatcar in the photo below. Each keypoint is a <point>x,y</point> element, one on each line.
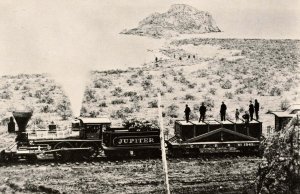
<point>246,118</point>
<point>251,110</point>
<point>187,112</point>
<point>223,111</point>
<point>202,111</point>
<point>256,108</point>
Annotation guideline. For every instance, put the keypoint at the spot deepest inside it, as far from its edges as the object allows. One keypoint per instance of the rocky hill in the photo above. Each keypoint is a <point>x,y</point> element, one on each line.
<point>179,19</point>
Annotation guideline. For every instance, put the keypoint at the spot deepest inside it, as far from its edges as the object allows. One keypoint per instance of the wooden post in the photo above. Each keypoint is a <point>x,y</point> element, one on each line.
<point>162,144</point>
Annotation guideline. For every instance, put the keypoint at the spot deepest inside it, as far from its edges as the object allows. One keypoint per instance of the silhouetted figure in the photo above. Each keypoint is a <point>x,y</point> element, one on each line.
<point>246,118</point>
<point>156,59</point>
<point>189,57</point>
<point>180,58</point>
<point>237,115</point>
<point>194,56</point>
<point>187,112</point>
<point>223,111</point>
<point>202,111</point>
<point>251,110</point>
<point>256,108</point>
<point>11,125</point>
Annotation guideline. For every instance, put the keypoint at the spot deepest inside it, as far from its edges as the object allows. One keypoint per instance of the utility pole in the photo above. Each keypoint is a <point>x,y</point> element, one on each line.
<point>162,144</point>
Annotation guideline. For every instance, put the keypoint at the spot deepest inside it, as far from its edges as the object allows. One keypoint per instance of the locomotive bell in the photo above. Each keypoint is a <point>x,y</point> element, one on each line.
<point>22,118</point>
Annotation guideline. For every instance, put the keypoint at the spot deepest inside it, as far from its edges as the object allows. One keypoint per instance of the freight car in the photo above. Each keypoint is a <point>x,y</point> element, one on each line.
<point>88,138</point>
<point>211,136</point>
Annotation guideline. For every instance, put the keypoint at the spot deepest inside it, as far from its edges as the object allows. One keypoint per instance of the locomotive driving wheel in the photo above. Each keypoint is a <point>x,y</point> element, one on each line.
<point>92,152</point>
<point>63,154</point>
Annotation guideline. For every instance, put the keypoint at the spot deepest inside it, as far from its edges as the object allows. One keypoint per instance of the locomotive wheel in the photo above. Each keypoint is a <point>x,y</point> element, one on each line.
<point>63,155</point>
<point>92,152</point>
<point>31,159</point>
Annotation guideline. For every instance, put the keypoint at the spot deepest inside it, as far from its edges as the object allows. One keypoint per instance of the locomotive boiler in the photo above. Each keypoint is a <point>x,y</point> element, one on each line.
<point>87,139</point>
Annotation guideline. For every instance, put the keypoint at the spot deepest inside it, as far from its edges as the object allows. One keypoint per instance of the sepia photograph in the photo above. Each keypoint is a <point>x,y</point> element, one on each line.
<point>160,96</point>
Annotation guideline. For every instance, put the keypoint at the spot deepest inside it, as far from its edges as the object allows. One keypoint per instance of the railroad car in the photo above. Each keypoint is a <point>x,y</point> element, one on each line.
<point>211,136</point>
<point>283,117</point>
<point>88,138</point>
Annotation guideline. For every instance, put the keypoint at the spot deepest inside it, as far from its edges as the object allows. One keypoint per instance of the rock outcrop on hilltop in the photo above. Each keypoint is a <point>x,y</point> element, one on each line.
<point>179,19</point>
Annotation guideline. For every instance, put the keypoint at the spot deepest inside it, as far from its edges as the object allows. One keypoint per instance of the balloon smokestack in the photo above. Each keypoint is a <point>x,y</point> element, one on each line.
<point>22,118</point>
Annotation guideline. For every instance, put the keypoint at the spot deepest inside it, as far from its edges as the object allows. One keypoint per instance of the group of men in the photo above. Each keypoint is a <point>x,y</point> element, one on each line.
<point>247,117</point>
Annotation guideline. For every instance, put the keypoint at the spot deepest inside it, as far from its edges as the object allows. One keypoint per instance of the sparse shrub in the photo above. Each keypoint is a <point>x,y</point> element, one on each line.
<point>226,85</point>
<point>117,91</point>
<point>153,104</point>
<point>4,121</point>
<point>146,84</point>
<point>45,109</point>
<point>196,107</point>
<point>203,85</point>
<point>134,76</point>
<point>103,104</point>
<point>209,102</point>
<point>172,111</point>
<point>228,95</point>
<point>63,109</point>
<point>275,91</point>
<point>191,86</point>
<point>5,95</point>
<point>118,101</point>
<point>202,73</point>
<point>239,91</point>
<point>83,111</point>
<point>46,99</point>
<point>284,104</point>
<point>102,83</point>
<point>170,89</point>
<point>212,91</point>
<point>89,94</point>
<point>189,97</point>
<point>17,87</point>
<point>130,83</point>
<point>149,77</point>
<point>163,83</point>
<point>210,83</point>
<point>130,93</point>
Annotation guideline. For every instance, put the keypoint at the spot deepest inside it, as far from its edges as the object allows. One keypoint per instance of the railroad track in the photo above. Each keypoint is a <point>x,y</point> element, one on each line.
<point>127,161</point>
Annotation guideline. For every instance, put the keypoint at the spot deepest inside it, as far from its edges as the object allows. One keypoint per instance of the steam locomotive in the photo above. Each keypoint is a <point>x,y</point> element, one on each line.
<point>91,137</point>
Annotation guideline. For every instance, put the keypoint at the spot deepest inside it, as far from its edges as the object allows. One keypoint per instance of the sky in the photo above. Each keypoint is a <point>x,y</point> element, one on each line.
<point>71,36</point>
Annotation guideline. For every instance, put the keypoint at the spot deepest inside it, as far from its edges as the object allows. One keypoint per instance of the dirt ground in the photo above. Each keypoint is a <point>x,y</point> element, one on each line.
<point>194,175</point>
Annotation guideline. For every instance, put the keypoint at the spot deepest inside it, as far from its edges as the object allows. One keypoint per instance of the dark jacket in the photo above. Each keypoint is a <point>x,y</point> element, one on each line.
<point>256,106</point>
<point>251,108</point>
<point>202,109</point>
<point>223,108</point>
<point>187,110</point>
<point>246,117</point>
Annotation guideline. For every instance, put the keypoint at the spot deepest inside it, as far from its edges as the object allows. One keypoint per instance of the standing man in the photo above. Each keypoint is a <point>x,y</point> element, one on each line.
<point>251,110</point>
<point>256,108</point>
<point>223,111</point>
<point>246,118</point>
<point>187,112</point>
<point>202,110</point>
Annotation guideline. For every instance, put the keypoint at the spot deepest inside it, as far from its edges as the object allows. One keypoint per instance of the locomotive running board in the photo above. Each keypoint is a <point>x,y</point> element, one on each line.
<point>194,139</point>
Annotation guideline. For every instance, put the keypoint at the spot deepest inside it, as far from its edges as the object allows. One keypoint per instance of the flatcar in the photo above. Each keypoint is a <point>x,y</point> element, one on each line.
<point>211,136</point>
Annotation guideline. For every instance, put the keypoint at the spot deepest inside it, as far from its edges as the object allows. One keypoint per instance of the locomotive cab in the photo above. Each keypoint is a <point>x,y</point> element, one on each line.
<point>90,128</point>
